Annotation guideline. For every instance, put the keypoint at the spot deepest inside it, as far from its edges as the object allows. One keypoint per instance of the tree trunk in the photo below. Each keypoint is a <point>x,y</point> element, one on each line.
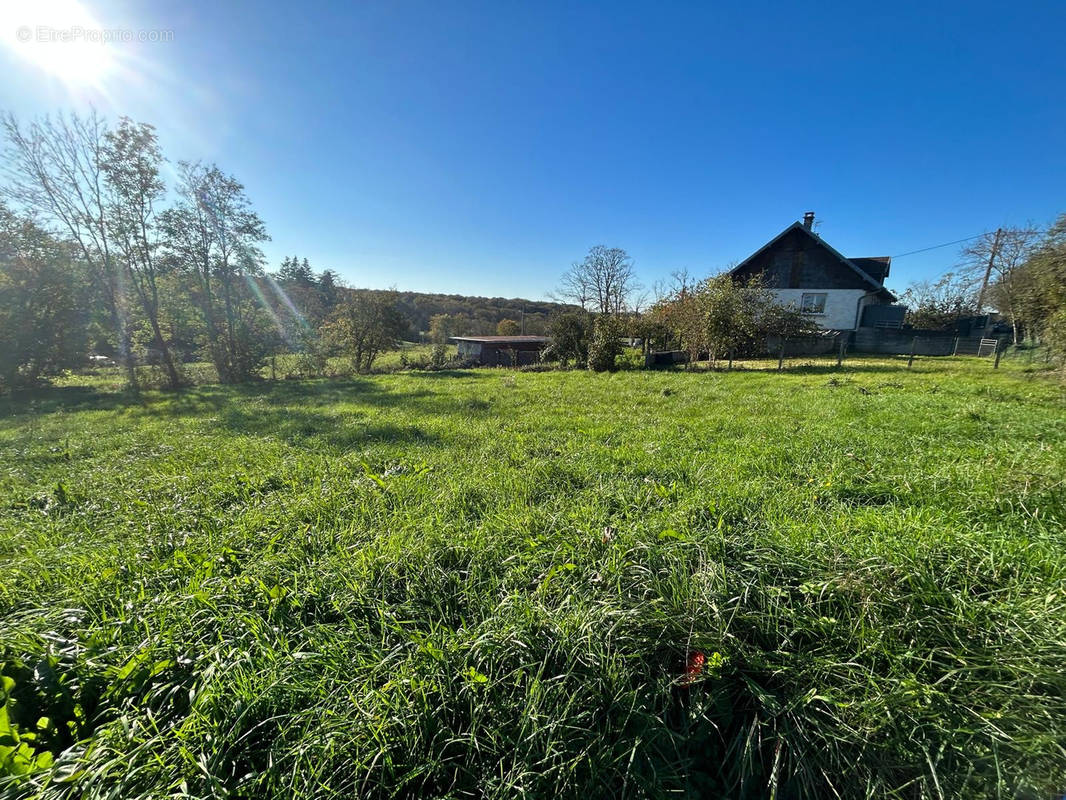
<point>125,348</point>
<point>168,360</point>
<point>214,346</point>
<point>150,304</point>
<point>231,337</point>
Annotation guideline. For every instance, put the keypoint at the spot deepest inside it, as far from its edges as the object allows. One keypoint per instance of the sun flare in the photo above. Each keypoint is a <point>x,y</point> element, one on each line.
<point>60,37</point>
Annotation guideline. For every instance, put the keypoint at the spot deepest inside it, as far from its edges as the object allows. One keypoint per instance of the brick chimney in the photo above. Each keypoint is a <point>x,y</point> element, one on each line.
<point>808,220</point>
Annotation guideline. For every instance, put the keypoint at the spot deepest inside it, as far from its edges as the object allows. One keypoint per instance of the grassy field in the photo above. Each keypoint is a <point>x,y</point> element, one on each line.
<point>489,584</point>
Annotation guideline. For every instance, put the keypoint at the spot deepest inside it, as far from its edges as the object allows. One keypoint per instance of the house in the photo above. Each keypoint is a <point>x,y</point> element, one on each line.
<point>501,351</point>
<point>840,294</point>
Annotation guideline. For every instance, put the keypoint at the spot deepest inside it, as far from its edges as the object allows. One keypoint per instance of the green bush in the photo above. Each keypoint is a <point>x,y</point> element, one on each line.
<point>606,344</point>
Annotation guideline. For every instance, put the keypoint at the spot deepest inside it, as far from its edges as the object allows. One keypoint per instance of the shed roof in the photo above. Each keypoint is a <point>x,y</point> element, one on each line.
<point>502,339</point>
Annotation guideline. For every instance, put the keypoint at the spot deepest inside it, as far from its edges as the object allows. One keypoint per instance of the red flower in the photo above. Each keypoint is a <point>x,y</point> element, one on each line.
<point>693,667</point>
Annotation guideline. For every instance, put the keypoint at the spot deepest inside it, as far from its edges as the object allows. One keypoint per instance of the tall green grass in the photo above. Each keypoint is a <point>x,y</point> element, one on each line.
<point>487,584</point>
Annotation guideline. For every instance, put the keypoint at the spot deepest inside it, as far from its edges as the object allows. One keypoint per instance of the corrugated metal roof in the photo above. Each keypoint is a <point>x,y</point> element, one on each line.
<point>502,339</point>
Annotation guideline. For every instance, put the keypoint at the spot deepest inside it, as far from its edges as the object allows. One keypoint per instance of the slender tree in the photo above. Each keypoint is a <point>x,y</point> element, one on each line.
<point>130,162</point>
<point>213,235</point>
<point>54,169</point>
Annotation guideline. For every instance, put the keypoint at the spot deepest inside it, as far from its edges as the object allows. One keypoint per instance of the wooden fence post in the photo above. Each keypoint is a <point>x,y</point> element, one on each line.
<point>840,352</point>
<point>955,349</point>
<point>781,355</point>
<point>914,346</point>
<point>999,351</point>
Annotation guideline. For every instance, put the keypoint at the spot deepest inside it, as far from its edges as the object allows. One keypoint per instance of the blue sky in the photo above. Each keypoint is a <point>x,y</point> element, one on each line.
<point>481,148</point>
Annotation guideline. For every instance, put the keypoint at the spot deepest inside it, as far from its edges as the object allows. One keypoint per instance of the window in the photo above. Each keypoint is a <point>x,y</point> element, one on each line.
<point>813,303</point>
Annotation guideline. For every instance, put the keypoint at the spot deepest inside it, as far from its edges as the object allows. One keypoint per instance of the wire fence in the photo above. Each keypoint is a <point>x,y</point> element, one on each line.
<point>839,350</point>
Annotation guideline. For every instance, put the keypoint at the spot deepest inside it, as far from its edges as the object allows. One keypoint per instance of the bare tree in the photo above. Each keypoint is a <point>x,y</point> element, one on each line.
<point>130,163</point>
<point>999,256</point>
<point>54,169</point>
<point>604,281</point>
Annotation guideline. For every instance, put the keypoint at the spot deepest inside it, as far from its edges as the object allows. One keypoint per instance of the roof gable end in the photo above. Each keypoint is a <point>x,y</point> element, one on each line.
<point>798,226</point>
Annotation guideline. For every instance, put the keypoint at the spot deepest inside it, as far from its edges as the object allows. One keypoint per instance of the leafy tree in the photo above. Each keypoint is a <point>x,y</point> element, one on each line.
<point>213,236</point>
<point>734,315</point>
<point>508,327</point>
<point>130,164</point>
<point>605,281</point>
<point>42,297</point>
<point>443,327</point>
<point>648,327</point>
<point>569,333</point>
<point>940,304</point>
<point>364,325</point>
<point>720,315</point>
<point>682,314</point>
<point>55,169</point>
<point>1039,289</point>
<point>784,322</point>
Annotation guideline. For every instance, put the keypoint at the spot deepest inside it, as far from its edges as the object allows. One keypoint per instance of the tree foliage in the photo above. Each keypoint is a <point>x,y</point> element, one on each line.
<point>569,333</point>
<point>213,237</point>
<point>1038,290</point>
<point>606,344</point>
<point>54,169</point>
<point>508,327</point>
<point>719,316</point>
<point>43,324</point>
<point>940,304</point>
<point>130,163</point>
<point>364,325</point>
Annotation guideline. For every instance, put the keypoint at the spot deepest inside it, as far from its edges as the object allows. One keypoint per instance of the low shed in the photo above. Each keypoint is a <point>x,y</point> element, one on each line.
<point>501,351</point>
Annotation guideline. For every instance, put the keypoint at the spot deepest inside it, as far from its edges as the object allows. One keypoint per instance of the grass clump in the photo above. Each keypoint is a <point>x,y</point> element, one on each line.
<point>450,584</point>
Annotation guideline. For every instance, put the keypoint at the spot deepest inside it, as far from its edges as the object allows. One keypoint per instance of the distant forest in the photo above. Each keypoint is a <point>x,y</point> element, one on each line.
<point>481,315</point>
<point>420,316</point>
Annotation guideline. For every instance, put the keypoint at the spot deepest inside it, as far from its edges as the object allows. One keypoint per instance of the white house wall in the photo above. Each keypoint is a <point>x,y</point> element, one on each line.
<point>841,305</point>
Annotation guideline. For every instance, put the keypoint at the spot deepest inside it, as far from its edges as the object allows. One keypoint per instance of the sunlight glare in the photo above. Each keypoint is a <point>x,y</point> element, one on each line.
<point>60,37</point>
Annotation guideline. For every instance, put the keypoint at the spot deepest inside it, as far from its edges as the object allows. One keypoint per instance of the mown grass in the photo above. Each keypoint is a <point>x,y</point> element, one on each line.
<point>487,584</point>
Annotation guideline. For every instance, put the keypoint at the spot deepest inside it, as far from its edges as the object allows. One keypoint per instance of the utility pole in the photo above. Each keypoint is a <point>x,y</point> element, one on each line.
<point>988,269</point>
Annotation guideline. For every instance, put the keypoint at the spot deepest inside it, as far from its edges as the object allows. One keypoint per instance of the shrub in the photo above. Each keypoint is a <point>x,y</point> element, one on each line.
<point>606,344</point>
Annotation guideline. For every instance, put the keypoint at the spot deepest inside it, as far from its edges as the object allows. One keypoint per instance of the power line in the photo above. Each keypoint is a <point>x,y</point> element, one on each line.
<point>946,244</point>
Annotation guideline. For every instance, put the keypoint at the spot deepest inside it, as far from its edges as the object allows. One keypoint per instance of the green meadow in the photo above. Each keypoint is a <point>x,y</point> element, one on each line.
<point>485,583</point>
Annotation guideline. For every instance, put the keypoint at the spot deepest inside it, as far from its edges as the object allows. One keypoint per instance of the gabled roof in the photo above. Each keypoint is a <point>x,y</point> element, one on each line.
<point>852,265</point>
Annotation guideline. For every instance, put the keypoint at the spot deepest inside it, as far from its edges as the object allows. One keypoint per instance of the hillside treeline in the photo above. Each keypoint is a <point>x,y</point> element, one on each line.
<point>103,259</point>
<point>109,252</point>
